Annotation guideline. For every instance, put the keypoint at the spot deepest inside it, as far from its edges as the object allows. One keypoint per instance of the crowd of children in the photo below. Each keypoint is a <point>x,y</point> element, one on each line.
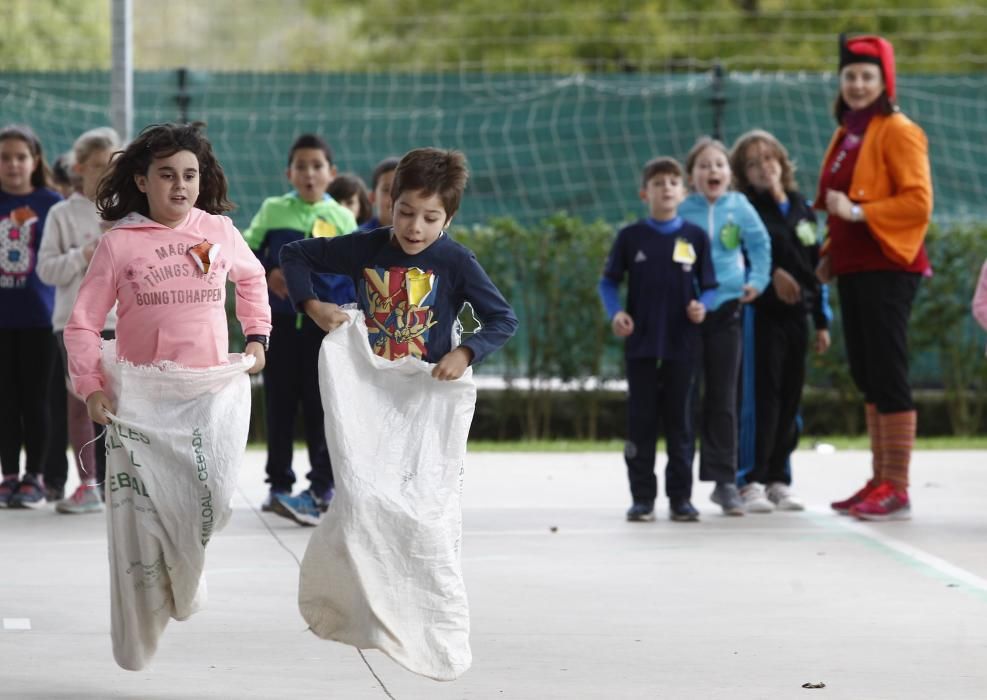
<point>728,244</point>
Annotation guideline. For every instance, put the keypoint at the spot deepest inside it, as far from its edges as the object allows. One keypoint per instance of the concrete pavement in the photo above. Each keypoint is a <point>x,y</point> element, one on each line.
<point>567,600</point>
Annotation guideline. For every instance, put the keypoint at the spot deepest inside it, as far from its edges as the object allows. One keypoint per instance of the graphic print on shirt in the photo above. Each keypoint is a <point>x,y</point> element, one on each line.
<point>397,303</point>
<point>171,277</point>
<point>17,256</point>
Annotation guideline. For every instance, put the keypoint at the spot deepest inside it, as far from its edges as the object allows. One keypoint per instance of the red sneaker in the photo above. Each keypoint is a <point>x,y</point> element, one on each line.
<point>843,507</point>
<point>886,502</point>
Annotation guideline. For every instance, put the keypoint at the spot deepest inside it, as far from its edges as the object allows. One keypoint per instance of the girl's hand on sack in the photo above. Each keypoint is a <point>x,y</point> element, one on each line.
<point>749,294</point>
<point>622,324</point>
<point>98,404</point>
<point>326,316</point>
<point>822,341</point>
<point>787,289</point>
<point>823,273</point>
<point>695,311</point>
<point>277,283</point>
<point>256,350</point>
<point>453,365</point>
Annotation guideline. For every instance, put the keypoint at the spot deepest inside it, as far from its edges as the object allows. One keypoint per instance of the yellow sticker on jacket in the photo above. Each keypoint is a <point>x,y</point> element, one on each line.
<point>324,229</point>
<point>684,253</point>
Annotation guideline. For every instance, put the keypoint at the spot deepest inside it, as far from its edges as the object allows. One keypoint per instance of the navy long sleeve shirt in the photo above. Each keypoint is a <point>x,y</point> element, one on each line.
<point>667,264</point>
<point>411,303</point>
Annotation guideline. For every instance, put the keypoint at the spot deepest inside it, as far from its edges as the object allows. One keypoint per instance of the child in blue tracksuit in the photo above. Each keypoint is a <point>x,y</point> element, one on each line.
<point>667,261</point>
<point>741,251</point>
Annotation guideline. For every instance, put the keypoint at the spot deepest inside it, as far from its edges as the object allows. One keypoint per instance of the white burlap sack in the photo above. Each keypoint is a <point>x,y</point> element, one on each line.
<point>382,570</point>
<point>172,456</point>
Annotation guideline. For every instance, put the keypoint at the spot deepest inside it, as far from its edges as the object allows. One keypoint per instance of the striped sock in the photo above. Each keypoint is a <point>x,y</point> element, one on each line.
<point>897,432</point>
<point>874,431</point>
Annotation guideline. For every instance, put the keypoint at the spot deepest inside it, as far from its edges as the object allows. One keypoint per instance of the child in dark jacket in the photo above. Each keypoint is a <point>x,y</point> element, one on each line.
<point>765,174</point>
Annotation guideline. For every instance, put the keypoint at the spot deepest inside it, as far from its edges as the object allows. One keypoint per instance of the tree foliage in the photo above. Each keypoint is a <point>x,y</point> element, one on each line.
<point>578,35</point>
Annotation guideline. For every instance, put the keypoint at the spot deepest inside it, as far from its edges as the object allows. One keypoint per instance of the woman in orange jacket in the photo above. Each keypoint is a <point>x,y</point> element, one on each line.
<point>876,186</point>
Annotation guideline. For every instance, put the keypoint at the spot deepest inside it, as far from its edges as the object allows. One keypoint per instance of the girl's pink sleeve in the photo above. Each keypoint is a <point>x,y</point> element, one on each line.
<point>97,294</point>
<point>980,299</point>
<point>247,273</point>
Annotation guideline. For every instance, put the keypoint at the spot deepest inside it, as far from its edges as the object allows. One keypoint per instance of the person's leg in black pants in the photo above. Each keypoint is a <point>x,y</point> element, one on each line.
<point>35,356</point>
<point>320,475</point>
<point>721,344</point>
<point>642,430</point>
<point>791,368</point>
<point>676,417</point>
<point>11,430</point>
<point>56,462</point>
<point>281,392</point>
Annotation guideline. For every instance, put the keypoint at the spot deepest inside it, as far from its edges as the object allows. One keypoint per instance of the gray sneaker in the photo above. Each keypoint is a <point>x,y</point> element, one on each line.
<point>727,497</point>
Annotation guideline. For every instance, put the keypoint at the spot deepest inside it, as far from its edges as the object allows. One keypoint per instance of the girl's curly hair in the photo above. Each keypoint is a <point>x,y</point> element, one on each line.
<point>118,194</point>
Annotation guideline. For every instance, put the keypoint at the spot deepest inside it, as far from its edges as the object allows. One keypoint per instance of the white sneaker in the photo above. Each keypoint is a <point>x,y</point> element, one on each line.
<point>754,499</point>
<point>85,500</point>
<point>779,494</point>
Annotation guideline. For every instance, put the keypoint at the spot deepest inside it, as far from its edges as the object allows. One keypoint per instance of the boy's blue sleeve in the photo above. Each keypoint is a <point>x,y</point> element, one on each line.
<point>610,296</point>
<point>497,320</point>
<point>613,274</point>
<point>757,243</point>
<point>299,259</point>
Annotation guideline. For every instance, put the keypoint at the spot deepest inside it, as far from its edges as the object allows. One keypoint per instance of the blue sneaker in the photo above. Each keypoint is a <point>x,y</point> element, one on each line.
<point>641,512</point>
<point>268,504</point>
<point>8,487</point>
<point>304,509</point>
<point>30,493</point>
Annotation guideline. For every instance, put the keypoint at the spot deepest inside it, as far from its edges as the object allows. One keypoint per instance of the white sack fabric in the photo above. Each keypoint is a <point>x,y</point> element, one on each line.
<point>172,456</point>
<point>382,570</point>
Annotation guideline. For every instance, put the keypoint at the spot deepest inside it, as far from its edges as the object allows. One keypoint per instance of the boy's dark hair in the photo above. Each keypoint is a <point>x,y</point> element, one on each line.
<point>310,141</point>
<point>41,175</point>
<point>383,167</point>
<point>118,195</point>
<point>346,185</point>
<point>662,165</point>
<point>433,171</point>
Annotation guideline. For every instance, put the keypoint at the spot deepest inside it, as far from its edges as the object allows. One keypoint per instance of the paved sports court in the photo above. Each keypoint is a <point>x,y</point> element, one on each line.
<point>568,600</point>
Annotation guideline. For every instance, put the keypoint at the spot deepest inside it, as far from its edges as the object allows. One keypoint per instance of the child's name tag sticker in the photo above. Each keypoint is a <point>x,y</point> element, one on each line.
<point>323,229</point>
<point>683,253</point>
<point>730,235</point>
<point>806,232</point>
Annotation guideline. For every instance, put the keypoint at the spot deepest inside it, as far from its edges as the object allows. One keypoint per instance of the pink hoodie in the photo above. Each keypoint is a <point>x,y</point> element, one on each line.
<point>169,308</point>
<point>980,299</point>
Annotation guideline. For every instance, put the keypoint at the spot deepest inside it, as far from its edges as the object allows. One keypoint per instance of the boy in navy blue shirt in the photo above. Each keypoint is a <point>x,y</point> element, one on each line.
<point>671,281</point>
<point>412,279</point>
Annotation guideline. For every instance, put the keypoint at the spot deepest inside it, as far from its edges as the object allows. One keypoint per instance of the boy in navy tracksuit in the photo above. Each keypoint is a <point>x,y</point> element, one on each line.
<point>291,375</point>
<point>671,282</point>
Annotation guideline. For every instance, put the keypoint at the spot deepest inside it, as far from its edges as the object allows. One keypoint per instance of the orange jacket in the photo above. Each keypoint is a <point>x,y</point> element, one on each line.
<point>892,184</point>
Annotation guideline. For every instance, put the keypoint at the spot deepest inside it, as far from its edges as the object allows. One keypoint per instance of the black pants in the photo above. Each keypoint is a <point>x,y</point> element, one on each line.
<point>875,307</point>
<point>25,373</point>
<point>291,375</point>
<point>56,464</point>
<point>659,391</point>
<point>781,343</point>
<point>720,362</point>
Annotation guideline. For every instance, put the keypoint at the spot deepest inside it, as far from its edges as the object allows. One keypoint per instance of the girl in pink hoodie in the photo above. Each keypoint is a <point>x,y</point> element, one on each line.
<point>165,264</point>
